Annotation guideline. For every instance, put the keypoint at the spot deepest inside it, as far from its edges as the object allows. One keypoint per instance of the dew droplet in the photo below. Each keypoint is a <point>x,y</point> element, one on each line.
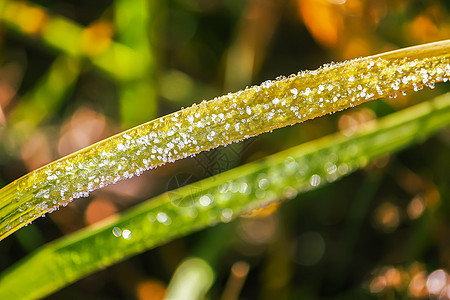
<point>260,194</point>
<point>343,169</point>
<point>233,187</point>
<point>290,165</point>
<point>117,231</point>
<point>223,188</point>
<point>315,180</point>
<point>263,182</point>
<point>244,189</point>
<point>126,234</point>
<point>226,215</point>
<point>330,167</point>
<point>205,200</point>
<point>300,176</point>
<point>163,218</point>
<point>294,92</point>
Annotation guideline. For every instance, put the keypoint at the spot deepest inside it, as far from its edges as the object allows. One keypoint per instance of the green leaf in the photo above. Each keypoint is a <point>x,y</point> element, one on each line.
<point>218,199</point>
<point>221,121</point>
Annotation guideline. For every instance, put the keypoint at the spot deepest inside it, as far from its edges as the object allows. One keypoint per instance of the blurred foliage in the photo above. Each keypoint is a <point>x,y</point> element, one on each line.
<point>71,71</point>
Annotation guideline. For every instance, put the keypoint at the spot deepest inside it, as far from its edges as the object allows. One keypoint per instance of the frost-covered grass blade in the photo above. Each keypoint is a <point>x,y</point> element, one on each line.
<point>221,121</point>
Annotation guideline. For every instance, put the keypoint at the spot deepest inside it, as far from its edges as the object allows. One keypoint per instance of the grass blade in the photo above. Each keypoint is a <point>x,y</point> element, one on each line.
<point>223,120</point>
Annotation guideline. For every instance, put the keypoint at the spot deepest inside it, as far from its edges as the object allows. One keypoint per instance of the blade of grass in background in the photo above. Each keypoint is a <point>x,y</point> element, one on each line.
<point>138,96</point>
<point>46,97</point>
<point>218,199</point>
<point>191,281</point>
<point>93,42</point>
<point>223,120</point>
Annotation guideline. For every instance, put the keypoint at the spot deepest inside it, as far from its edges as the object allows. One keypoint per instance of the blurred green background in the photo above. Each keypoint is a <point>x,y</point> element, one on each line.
<point>75,72</point>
